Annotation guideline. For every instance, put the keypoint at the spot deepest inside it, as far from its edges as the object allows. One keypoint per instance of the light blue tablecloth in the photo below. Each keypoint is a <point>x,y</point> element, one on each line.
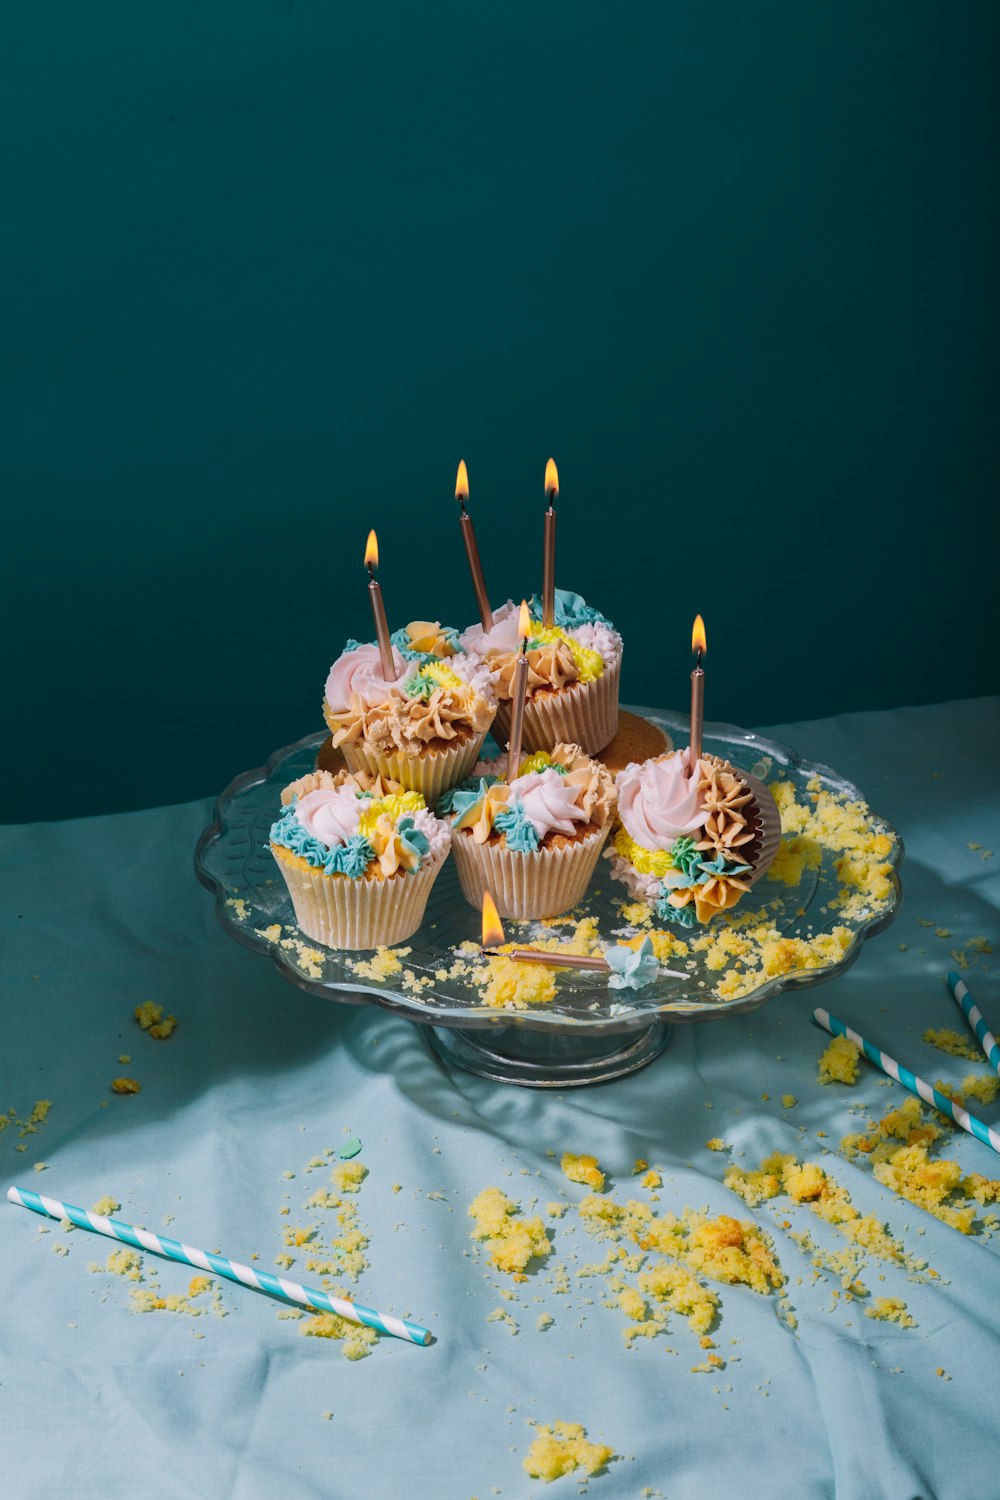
<point>260,1078</point>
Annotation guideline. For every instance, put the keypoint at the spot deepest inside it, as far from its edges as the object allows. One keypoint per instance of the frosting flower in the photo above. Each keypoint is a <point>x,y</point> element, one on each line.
<point>330,816</point>
<point>632,968</point>
<point>658,801</point>
<point>548,801</point>
<point>359,671</point>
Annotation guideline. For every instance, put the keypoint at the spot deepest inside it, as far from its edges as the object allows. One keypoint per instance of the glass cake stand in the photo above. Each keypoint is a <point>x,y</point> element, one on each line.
<point>589,1033</point>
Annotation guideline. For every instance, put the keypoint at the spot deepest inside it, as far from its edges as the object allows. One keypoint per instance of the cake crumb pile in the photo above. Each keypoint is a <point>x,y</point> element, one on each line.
<point>839,1063</point>
<point>511,1241</point>
<point>584,1170</point>
<point>562,1448</point>
<point>151,1018</point>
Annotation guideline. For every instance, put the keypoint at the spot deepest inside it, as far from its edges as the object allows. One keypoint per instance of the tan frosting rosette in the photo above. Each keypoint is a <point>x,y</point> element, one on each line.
<point>692,844</point>
<point>573,672</point>
<point>532,842</point>
<point>424,728</point>
<point>359,855</point>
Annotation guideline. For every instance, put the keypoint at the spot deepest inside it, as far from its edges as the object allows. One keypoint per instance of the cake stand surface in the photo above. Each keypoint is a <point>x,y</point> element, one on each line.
<point>588,1033</point>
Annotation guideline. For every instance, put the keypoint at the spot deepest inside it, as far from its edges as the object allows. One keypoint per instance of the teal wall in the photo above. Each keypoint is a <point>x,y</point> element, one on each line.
<point>270,269</point>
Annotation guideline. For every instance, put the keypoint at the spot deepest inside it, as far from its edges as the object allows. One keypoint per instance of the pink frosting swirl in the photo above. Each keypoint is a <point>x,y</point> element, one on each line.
<point>330,816</point>
<point>502,635</point>
<point>549,802</point>
<point>658,801</point>
<point>360,671</point>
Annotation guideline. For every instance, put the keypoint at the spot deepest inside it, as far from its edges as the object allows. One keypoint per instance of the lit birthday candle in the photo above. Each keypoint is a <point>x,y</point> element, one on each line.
<point>632,968</point>
<point>698,646</point>
<point>378,610</point>
<point>549,558</point>
<point>472,549</point>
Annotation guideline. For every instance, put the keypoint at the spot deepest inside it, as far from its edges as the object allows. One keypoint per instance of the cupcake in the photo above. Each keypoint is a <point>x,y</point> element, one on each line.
<point>573,671</point>
<point>691,844</point>
<point>532,842</point>
<point>425,727</point>
<point>359,856</point>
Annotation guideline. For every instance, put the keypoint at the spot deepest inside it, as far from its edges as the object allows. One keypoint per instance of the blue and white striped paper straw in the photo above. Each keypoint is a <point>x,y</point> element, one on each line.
<point>232,1270</point>
<point>910,1081</point>
<point>974,1016</point>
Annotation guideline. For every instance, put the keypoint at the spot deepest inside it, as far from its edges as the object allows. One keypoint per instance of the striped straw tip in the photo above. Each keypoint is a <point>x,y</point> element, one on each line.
<point>953,979</point>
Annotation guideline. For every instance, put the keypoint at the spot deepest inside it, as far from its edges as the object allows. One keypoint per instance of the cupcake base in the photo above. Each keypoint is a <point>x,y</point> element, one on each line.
<point>584,714</point>
<point>527,886</point>
<point>343,913</point>
<point>430,773</point>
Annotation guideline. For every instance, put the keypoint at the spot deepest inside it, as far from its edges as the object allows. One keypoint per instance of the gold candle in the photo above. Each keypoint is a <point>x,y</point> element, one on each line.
<point>378,610</point>
<point>471,549</point>
<point>698,646</point>
<point>549,558</point>
<point>493,937</point>
<point>518,693</point>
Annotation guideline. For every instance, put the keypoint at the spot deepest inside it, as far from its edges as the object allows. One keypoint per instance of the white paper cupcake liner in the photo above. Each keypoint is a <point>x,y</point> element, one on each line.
<point>543,884</point>
<point>584,714</point>
<point>430,773</point>
<point>344,913</point>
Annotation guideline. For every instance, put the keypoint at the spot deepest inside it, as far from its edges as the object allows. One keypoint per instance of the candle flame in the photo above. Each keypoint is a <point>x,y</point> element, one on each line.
<point>492,926</point>
<point>371,551</point>
<point>551,479</point>
<point>698,641</point>
<point>524,621</point>
<point>462,482</point>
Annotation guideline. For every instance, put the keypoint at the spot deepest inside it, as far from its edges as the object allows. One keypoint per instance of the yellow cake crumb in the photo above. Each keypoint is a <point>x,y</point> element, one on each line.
<point>681,1292</point>
<point>584,1170</point>
<point>640,1166</point>
<point>105,1207</point>
<point>632,1304</point>
<point>563,1447</point>
<point>716,1144</point>
<point>545,1320</point>
<point>383,964</point>
<point>347,1176</point>
<point>152,1019</point>
<point>982,1087</point>
<point>652,1179</point>
<point>788,1101</point>
<point>952,1042</point>
<point>508,985</point>
<point>124,1086</point>
<point>357,1340</point>
<point>890,1310</point>
<point>510,1240</point>
<point>839,1063</point>
<point>125,1262</point>
<point>125,1058</point>
<point>556,1209</point>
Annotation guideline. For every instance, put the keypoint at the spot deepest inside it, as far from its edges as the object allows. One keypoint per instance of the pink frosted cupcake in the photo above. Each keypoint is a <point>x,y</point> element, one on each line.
<point>534,842</point>
<point>690,845</point>
<point>359,857</point>
<point>425,727</point>
<point>574,667</point>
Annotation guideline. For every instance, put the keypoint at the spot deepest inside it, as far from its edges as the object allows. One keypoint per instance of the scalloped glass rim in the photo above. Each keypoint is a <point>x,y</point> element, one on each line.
<point>233,838</point>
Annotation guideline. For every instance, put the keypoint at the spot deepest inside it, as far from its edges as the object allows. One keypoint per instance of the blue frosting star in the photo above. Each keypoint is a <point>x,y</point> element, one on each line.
<point>685,916</point>
<point>413,840</point>
<point>632,968</point>
<point>569,610</point>
<point>458,799</point>
<point>522,835</point>
<point>720,865</point>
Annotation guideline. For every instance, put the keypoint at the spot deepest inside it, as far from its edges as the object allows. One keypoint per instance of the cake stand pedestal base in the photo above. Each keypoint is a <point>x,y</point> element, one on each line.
<point>541,1060</point>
